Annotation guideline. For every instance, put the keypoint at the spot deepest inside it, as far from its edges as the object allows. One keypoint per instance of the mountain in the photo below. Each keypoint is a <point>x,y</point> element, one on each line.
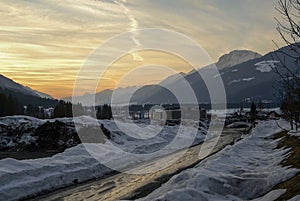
<point>236,57</point>
<point>252,80</point>
<point>25,95</point>
<point>148,92</point>
<point>247,76</point>
<point>8,84</point>
<point>40,94</point>
<point>103,97</point>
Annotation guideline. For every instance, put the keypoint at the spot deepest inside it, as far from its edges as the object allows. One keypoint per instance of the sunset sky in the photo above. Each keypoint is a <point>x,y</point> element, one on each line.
<point>44,43</point>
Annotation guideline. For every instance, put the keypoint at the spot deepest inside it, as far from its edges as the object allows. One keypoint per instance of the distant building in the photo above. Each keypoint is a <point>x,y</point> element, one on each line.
<point>274,115</point>
<point>49,112</point>
<point>158,114</point>
<point>173,116</point>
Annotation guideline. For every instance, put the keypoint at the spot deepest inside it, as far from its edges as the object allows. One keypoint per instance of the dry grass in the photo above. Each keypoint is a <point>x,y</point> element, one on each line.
<point>292,186</point>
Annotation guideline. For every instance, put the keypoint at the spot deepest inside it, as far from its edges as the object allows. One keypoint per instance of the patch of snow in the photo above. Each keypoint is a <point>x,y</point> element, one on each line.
<point>297,198</point>
<point>235,70</point>
<point>294,133</point>
<point>218,75</point>
<point>248,79</point>
<point>246,170</point>
<point>234,81</point>
<point>239,125</point>
<point>266,66</point>
<point>273,195</point>
<point>27,139</point>
<point>17,120</point>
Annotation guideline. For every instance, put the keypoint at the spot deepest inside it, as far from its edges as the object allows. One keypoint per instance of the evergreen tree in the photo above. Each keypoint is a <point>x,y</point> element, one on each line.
<point>260,105</point>
<point>9,106</point>
<point>60,110</point>
<point>66,109</point>
<point>78,110</point>
<point>253,113</point>
<point>104,112</point>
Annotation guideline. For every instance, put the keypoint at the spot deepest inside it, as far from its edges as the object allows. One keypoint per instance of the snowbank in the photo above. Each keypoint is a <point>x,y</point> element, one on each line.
<point>297,198</point>
<point>20,179</point>
<point>244,171</point>
<point>294,133</point>
<point>240,125</point>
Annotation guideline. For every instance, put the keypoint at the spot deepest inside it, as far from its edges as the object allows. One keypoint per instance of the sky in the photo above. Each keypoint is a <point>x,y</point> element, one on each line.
<point>44,43</point>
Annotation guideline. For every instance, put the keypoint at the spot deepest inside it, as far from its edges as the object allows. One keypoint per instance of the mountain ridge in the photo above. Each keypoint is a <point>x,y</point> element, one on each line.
<point>9,84</point>
<point>236,57</point>
<point>104,97</point>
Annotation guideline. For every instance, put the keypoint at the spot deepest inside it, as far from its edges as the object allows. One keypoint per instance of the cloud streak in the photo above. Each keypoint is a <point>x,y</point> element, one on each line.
<point>133,27</point>
<point>43,43</point>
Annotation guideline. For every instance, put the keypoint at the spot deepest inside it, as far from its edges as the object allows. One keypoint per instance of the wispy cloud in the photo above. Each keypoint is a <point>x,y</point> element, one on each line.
<point>43,43</point>
<point>134,25</point>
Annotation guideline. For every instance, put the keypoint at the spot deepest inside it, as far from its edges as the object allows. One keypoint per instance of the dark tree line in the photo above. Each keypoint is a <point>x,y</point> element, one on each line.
<point>104,112</point>
<point>67,109</point>
<point>34,111</point>
<point>9,106</point>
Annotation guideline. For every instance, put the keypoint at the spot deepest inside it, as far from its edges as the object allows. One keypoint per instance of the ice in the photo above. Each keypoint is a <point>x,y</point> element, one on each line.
<point>247,170</point>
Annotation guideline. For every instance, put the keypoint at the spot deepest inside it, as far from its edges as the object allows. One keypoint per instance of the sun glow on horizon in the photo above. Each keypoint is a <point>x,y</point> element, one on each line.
<point>43,44</point>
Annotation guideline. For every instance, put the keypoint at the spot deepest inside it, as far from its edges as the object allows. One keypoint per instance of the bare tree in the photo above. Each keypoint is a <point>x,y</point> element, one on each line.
<point>288,26</point>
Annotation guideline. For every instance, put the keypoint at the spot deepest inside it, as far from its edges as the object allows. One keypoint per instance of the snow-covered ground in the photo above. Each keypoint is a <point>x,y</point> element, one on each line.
<point>19,179</point>
<point>294,133</point>
<point>18,131</point>
<point>247,170</point>
<point>244,171</point>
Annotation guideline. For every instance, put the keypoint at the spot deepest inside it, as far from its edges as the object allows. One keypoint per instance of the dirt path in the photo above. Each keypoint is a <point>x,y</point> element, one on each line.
<point>130,186</point>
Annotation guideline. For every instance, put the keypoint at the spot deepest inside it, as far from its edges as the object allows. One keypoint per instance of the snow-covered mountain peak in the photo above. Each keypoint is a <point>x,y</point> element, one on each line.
<point>236,57</point>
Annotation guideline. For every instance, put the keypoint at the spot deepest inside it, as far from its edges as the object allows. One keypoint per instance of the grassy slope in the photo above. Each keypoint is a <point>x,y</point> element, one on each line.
<point>293,185</point>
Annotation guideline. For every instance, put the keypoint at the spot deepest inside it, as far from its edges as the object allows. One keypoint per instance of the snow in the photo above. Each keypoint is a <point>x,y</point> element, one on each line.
<point>244,171</point>
<point>239,125</point>
<point>239,80</point>
<point>20,123</point>
<point>22,178</point>
<point>235,70</point>
<point>17,119</point>
<point>236,57</point>
<point>266,66</point>
<point>297,198</point>
<point>248,79</point>
<point>234,81</point>
<point>294,133</point>
<point>273,195</point>
<point>218,75</point>
<point>27,139</point>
